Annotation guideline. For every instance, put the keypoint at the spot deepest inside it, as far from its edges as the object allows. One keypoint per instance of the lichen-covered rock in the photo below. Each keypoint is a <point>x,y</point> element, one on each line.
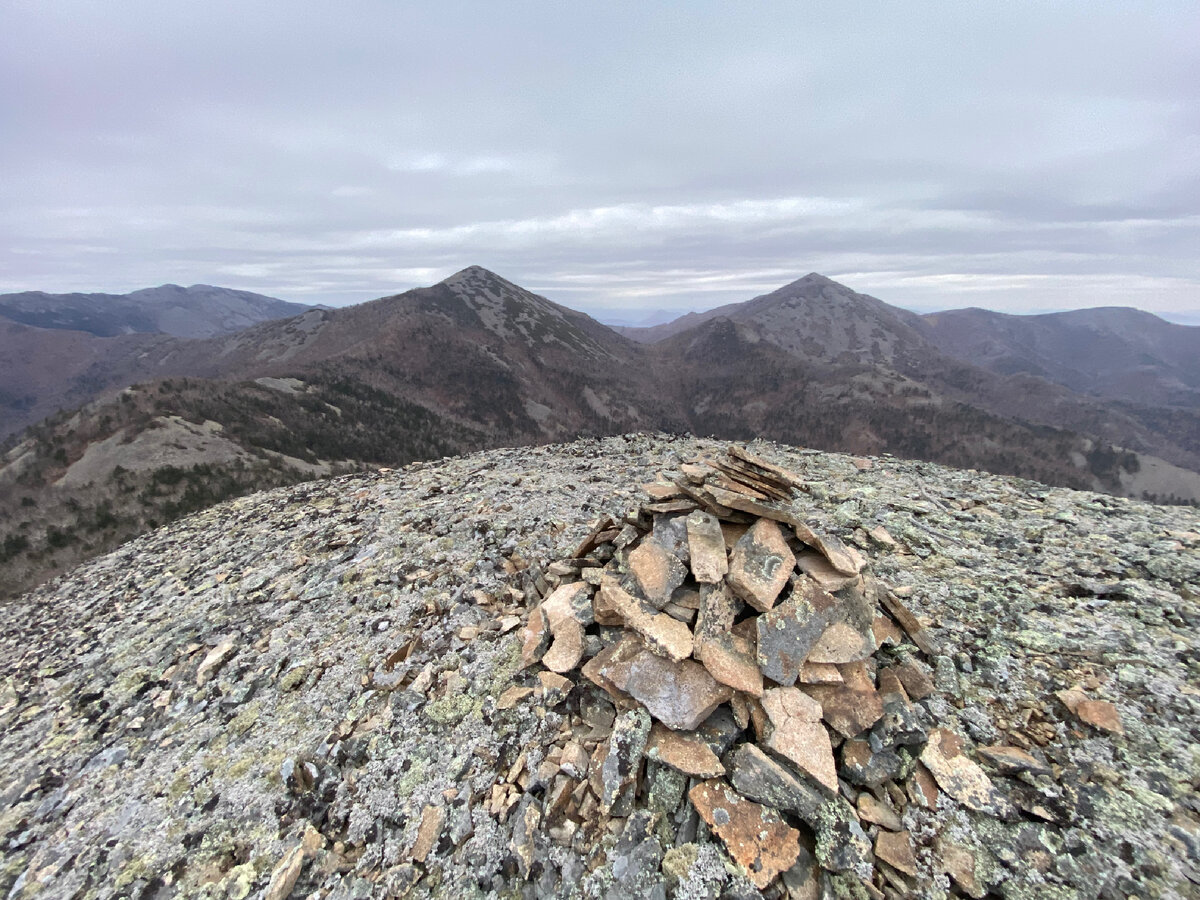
<point>366,628</point>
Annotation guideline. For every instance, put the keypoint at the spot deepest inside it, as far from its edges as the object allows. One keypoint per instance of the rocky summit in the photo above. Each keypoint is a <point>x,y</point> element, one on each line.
<point>640,666</point>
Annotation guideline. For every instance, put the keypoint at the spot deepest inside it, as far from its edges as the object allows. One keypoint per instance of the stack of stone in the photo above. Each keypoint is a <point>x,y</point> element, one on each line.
<point>766,691</point>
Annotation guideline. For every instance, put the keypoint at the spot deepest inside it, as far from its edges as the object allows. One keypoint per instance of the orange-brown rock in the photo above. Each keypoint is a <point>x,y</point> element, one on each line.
<point>536,638</point>
<point>512,697</point>
<point>872,810</point>
<point>849,711</point>
<point>961,777</point>
<point>755,836</point>
<point>731,660</point>
<point>820,673</point>
<point>1011,760</point>
<point>959,864</point>
<point>922,787</point>
<point>856,676</point>
<point>681,695</point>
<point>1097,713</point>
<point>428,831</point>
<point>841,643</point>
<point>915,679</point>
<point>820,570</point>
<point>760,564</point>
<point>706,547</point>
<point>656,570</point>
<point>662,634</point>
<point>1100,714</point>
<point>657,490</point>
<point>895,848</point>
<point>886,631</point>
<point>797,733</point>
<point>788,632</point>
<point>567,650</point>
<point>684,751</point>
<point>609,669</point>
<point>842,558</point>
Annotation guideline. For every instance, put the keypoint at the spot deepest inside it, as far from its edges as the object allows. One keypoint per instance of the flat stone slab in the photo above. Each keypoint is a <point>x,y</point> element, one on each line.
<point>842,558</point>
<point>662,634</point>
<point>871,810</point>
<point>686,751</point>
<point>842,643</point>
<point>760,564</point>
<point>755,775</point>
<point>731,660</point>
<point>849,711</point>
<point>656,570</point>
<point>895,848</point>
<point>961,777</point>
<point>797,733</point>
<point>1011,760</point>
<point>820,570</point>
<point>706,546</point>
<point>755,836</point>
<point>681,695</point>
<point>618,772</point>
<point>1097,713</point>
<point>788,632</point>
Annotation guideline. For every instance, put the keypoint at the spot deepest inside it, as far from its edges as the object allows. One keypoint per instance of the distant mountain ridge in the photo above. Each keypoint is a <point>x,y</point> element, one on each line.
<point>476,361</point>
<point>199,311</point>
<point>1116,353</point>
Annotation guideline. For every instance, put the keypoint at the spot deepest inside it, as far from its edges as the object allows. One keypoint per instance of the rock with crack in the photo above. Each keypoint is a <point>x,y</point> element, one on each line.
<point>568,610</point>
<point>760,565</point>
<point>706,547</point>
<point>788,632</point>
<point>756,775</point>
<point>731,659</point>
<point>657,571</point>
<point>797,733</point>
<point>663,635</point>
<point>849,711</point>
<point>622,764</point>
<point>684,751</point>
<point>817,567</point>
<point>756,836</point>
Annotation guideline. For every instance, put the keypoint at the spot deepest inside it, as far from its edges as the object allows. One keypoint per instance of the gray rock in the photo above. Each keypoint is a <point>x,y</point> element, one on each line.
<point>757,776</point>
<point>789,631</point>
<point>680,695</point>
<point>622,765</point>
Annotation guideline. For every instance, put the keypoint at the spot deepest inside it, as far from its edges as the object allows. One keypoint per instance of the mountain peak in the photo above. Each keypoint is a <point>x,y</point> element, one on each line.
<point>813,281</point>
<point>474,274</point>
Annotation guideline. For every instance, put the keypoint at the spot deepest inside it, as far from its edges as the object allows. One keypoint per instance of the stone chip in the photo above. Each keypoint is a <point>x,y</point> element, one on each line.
<point>961,778</point>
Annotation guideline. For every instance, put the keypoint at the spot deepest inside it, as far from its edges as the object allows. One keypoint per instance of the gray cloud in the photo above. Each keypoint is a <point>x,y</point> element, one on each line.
<point>615,156</point>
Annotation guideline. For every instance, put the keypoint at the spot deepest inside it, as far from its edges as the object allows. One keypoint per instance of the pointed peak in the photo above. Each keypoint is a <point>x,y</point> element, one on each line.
<point>473,273</point>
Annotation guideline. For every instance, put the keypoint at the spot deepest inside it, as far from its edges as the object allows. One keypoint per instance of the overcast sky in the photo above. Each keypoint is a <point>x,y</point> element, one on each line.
<point>618,157</point>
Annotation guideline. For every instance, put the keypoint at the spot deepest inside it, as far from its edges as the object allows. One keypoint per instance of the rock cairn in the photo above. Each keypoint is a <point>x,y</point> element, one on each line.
<point>762,687</point>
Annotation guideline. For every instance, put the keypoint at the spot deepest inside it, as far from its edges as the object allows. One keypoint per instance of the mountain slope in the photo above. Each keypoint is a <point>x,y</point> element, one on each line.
<point>58,351</point>
<point>201,310</point>
<point>1114,353</point>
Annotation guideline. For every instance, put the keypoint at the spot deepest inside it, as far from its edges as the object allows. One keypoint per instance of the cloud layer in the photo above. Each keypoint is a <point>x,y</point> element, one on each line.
<point>618,157</point>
